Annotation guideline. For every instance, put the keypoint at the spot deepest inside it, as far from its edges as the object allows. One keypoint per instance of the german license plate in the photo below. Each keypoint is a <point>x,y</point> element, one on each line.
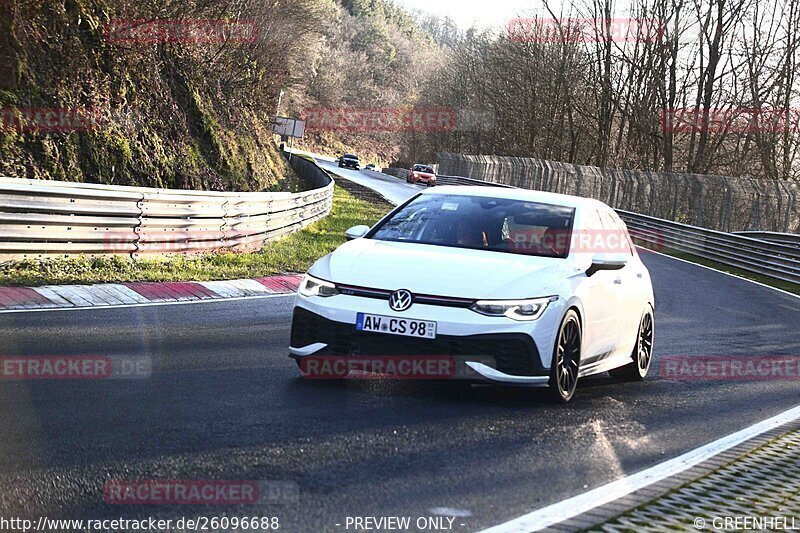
<point>424,329</point>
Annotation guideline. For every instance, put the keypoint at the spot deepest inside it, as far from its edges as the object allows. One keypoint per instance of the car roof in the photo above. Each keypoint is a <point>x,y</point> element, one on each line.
<point>517,194</point>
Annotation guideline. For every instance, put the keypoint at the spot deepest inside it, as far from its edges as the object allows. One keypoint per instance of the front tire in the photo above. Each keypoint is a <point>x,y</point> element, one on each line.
<point>566,359</point>
<point>642,354</point>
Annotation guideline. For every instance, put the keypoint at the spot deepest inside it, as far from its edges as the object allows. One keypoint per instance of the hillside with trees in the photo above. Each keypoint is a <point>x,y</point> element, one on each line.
<point>195,114</point>
<point>184,113</point>
<point>702,86</point>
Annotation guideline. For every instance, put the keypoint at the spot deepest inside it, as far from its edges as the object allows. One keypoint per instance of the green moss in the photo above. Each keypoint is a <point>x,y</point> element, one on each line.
<point>169,132</point>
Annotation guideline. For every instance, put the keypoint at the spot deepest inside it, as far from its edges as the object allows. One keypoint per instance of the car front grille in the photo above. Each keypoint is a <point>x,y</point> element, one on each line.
<point>513,353</point>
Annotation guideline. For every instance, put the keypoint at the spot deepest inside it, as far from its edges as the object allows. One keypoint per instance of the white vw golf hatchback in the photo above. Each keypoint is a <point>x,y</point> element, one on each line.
<point>529,288</point>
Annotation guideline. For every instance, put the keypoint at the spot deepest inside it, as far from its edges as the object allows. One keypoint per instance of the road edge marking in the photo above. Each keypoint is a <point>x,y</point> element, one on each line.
<point>149,304</point>
<point>571,507</point>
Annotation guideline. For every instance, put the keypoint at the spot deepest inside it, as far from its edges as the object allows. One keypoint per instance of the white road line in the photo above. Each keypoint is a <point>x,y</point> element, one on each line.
<point>149,304</point>
<point>571,507</point>
<point>726,273</point>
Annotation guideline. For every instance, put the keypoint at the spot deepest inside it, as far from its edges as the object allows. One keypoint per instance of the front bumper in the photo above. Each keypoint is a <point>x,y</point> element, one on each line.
<point>515,348</point>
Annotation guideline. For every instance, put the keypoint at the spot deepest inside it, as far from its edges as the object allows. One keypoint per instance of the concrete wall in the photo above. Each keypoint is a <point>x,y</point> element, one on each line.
<point>716,202</point>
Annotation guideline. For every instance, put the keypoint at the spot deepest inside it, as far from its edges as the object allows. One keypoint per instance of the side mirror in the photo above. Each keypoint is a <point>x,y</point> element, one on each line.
<point>356,232</point>
<point>607,262</point>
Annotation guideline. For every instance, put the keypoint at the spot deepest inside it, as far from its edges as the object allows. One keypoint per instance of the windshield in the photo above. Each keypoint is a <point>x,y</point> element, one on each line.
<point>482,223</point>
<point>423,168</point>
<point>350,156</point>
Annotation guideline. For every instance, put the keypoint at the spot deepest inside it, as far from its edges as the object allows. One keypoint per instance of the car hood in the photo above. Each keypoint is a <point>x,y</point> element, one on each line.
<point>426,174</point>
<point>441,271</point>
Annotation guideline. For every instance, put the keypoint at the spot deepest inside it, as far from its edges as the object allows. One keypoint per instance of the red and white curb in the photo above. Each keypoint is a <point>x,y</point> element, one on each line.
<point>140,293</point>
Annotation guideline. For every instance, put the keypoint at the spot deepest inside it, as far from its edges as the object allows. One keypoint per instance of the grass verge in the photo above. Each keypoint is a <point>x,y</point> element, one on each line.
<point>293,253</point>
<point>784,285</point>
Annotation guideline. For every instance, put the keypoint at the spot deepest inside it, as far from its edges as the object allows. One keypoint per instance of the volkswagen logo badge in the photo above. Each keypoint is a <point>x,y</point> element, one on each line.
<point>400,300</point>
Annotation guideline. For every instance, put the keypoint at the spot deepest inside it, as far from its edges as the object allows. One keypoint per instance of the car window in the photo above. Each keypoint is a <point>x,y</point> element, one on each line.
<point>493,224</point>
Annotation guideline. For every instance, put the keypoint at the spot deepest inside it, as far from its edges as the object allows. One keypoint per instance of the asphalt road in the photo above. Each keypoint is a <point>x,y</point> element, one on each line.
<point>393,189</point>
<point>224,402</point>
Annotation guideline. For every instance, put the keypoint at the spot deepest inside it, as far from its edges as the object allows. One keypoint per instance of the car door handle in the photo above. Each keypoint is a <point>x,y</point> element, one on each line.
<point>618,281</point>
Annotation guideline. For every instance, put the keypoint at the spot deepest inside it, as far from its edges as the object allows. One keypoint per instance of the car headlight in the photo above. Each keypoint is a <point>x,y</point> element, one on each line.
<point>515,309</point>
<point>311,286</point>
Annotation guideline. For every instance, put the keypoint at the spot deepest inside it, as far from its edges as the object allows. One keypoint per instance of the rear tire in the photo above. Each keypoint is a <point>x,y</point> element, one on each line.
<point>642,352</point>
<point>566,359</point>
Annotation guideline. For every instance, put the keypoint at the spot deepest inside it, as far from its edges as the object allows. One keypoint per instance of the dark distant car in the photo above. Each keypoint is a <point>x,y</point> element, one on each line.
<point>422,174</point>
<point>349,161</point>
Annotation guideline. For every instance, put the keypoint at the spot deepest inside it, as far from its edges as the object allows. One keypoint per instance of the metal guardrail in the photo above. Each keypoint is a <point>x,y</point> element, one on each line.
<point>774,260</point>
<point>771,236</point>
<point>45,219</point>
<point>460,180</point>
<point>751,252</point>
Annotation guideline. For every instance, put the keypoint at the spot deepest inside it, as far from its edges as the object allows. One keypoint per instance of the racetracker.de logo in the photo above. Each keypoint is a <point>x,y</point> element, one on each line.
<point>202,31</point>
<point>732,120</point>
<point>391,366</point>
<point>561,242</point>
<point>730,368</point>
<point>52,120</point>
<point>584,30</point>
<point>76,367</point>
<point>381,120</point>
<point>199,492</point>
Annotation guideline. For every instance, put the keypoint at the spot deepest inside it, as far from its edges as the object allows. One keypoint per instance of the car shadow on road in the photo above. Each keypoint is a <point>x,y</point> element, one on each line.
<point>446,391</point>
